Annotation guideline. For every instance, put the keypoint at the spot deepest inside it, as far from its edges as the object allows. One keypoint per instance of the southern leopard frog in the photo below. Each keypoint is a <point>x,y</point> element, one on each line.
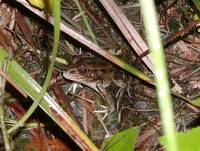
<point>88,71</point>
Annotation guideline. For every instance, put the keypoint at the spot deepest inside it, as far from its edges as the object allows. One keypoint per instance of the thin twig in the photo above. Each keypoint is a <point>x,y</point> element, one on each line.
<point>97,114</point>
<point>2,114</point>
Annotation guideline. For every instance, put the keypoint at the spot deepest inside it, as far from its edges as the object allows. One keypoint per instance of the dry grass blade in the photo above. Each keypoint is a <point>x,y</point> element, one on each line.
<point>131,35</point>
<point>127,30</point>
<point>13,83</point>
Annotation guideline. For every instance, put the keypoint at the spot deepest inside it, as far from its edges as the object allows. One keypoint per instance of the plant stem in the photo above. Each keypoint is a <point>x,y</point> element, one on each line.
<point>161,78</point>
<point>2,100</point>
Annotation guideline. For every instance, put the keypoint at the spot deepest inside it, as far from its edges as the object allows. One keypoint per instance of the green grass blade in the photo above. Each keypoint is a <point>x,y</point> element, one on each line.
<point>161,78</point>
<point>197,3</point>
<point>86,22</point>
<point>32,88</point>
<point>56,14</point>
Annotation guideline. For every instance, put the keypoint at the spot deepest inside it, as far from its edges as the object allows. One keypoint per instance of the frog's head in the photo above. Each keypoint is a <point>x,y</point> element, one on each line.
<point>83,67</point>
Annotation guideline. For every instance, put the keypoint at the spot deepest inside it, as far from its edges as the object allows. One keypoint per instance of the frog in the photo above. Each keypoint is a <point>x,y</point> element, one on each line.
<point>88,71</point>
<point>98,74</point>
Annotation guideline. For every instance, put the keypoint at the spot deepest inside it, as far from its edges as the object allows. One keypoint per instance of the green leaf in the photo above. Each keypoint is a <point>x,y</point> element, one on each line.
<point>42,4</point>
<point>197,102</point>
<point>124,140</point>
<point>195,8</point>
<point>186,141</point>
<point>37,3</point>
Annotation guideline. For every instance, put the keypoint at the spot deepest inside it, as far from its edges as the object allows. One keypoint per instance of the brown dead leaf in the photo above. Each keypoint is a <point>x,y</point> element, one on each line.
<point>53,145</point>
<point>5,15</point>
<point>186,50</point>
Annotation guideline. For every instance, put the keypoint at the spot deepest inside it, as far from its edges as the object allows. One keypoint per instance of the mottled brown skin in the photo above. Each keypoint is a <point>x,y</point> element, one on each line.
<point>87,66</point>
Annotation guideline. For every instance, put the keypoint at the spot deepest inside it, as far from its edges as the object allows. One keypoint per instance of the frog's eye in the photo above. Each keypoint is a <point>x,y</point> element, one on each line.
<point>83,70</point>
<point>92,74</point>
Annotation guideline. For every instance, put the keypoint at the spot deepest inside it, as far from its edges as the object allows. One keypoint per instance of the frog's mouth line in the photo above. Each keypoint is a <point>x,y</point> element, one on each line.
<point>77,77</point>
<point>82,80</point>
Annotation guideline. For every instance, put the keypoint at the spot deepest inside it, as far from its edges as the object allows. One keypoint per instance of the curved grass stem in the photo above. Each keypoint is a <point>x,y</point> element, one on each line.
<point>161,78</point>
